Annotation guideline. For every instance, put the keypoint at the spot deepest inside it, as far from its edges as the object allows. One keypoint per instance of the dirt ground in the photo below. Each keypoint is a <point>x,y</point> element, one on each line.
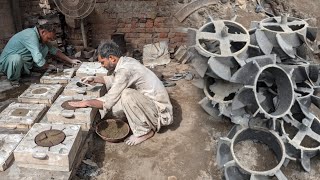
<point>186,149</point>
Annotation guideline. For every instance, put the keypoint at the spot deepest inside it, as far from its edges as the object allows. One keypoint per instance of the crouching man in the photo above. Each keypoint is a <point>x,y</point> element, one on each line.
<point>27,50</point>
<point>136,89</point>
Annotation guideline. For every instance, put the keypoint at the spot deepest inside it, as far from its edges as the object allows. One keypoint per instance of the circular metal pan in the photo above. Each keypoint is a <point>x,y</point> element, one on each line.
<point>65,105</point>
<point>112,130</point>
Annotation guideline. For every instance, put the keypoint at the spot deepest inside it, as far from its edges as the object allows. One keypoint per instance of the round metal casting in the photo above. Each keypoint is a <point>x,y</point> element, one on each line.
<point>269,138</point>
<point>50,138</point>
<point>283,24</point>
<point>282,87</point>
<point>65,105</point>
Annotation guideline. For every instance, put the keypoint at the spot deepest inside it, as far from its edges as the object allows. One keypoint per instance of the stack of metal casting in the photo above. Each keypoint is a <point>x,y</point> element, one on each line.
<point>264,82</point>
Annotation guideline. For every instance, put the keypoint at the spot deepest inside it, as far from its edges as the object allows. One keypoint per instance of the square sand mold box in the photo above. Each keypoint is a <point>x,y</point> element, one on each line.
<point>41,94</point>
<point>49,146</point>
<point>61,112</point>
<point>91,69</point>
<point>21,115</point>
<point>57,77</point>
<point>8,142</point>
<point>72,89</point>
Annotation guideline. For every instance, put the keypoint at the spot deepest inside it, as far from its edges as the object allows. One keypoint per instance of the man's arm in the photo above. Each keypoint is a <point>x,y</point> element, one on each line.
<point>60,55</point>
<point>93,79</point>
<point>87,103</point>
<point>99,79</point>
<point>31,42</point>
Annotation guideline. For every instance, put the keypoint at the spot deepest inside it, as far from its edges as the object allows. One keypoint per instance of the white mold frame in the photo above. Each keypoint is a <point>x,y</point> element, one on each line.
<point>48,96</point>
<point>80,116</point>
<point>33,115</point>
<point>91,69</point>
<point>64,78</point>
<point>8,143</point>
<point>56,158</point>
<point>72,89</point>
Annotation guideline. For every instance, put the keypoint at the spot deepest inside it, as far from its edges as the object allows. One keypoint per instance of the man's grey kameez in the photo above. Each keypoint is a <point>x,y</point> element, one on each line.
<point>140,94</point>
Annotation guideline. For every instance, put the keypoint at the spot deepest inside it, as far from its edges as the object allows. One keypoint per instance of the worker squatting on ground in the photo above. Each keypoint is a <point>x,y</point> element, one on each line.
<point>135,89</point>
<point>29,48</point>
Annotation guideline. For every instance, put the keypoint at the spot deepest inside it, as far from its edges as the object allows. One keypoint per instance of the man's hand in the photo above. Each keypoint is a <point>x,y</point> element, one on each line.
<point>78,104</point>
<point>75,62</point>
<point>94,103</point>
<point>51,67</point>
<point>88,79</point>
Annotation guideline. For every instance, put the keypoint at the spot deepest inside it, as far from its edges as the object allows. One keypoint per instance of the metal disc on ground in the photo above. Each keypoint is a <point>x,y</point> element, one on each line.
<point>67,106</point>
<point>50,138</point>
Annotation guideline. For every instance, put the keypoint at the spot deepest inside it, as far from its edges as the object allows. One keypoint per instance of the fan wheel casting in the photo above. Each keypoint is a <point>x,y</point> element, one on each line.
<point>236,169</point>
<point>283,24</point>
<point>282,87</point>
<point>50,138</point>
<point>222,38</point>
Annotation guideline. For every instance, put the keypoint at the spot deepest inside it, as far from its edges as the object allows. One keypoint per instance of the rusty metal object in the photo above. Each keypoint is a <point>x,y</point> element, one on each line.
<point>50,138</point>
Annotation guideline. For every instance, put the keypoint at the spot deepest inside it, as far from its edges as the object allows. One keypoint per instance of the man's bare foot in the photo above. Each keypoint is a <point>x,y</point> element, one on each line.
<point>133,140</point>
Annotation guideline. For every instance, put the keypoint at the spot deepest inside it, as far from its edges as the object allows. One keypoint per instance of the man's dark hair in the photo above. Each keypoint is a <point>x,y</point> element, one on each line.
<point>108,48</point>
<point>50,27</point>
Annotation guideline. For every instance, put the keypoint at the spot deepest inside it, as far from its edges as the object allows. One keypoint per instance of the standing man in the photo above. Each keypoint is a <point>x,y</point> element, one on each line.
<point>136,89</point>
<point>29,48</point>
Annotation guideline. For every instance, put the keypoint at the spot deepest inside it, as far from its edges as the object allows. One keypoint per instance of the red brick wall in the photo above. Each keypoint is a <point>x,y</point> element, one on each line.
<point>29,10</point>
<point>142,21</point>
<point>7,28</point>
